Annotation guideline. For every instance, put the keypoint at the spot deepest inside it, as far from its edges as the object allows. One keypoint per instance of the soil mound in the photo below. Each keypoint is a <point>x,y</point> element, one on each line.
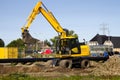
<point>110,67</point>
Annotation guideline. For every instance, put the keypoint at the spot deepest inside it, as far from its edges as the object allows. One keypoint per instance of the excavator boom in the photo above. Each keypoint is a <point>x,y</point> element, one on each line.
<point>40,8</point>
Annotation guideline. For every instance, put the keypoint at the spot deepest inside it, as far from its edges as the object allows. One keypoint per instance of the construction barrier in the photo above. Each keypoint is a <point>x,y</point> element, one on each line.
<point>8,52</point>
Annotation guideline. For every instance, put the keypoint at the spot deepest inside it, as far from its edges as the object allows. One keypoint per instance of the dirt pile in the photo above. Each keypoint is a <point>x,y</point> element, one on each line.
<point>20,68</point>
<point>110,67</point>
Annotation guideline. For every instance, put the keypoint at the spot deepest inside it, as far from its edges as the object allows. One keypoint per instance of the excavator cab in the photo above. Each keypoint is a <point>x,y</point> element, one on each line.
<point>67,46</point>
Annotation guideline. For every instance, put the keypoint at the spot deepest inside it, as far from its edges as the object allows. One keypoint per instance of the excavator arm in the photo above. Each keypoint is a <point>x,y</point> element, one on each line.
<point>40,8</point>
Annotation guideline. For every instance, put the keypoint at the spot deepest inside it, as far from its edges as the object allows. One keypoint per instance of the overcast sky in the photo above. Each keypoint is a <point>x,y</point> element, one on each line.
<point>83,16</point>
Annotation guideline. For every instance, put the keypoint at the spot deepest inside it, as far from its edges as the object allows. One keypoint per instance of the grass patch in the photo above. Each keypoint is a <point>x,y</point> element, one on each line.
<point>17,76</point>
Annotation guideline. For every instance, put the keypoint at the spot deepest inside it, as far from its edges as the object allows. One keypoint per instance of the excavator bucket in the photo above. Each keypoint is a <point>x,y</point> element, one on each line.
<point>27,38</point>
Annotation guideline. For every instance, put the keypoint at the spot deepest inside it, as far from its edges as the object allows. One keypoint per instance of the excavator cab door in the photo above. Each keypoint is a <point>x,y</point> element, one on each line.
<point>74,45</point>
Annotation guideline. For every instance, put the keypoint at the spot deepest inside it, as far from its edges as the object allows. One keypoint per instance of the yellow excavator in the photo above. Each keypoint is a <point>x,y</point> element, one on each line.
<point>68,48</point>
